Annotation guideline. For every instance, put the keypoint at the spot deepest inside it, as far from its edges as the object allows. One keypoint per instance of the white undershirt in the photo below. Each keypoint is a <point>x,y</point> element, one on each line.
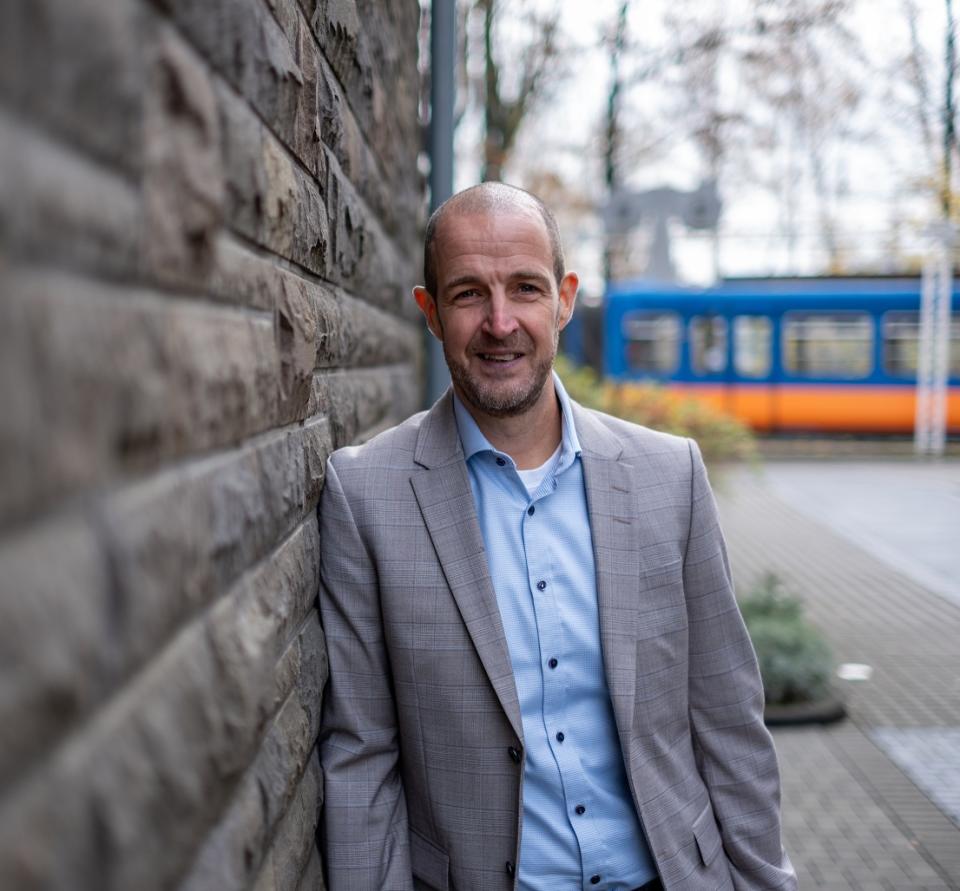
<point>532,478</point>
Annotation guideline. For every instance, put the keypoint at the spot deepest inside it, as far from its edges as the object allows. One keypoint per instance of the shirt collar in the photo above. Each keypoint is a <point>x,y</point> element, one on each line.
<point>474,442</point>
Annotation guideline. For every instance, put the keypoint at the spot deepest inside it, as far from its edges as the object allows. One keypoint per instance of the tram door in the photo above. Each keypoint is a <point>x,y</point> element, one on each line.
<point>752,393</point>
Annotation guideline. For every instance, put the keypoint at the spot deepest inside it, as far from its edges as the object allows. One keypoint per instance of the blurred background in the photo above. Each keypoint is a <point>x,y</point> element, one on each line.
<point>755,195</point>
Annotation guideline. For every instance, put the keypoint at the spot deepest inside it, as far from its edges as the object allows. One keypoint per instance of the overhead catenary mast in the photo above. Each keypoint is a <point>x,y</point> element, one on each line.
<point>933,358</point>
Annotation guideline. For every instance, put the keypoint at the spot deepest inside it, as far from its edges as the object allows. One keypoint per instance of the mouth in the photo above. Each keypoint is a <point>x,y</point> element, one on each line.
<point>500,358</point>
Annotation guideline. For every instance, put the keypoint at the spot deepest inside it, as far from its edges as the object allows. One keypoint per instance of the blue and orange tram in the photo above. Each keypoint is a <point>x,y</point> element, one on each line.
<point>783,355</point>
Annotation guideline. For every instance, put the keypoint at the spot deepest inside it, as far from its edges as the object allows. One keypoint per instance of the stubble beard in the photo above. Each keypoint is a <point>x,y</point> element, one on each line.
<point>496,400</point>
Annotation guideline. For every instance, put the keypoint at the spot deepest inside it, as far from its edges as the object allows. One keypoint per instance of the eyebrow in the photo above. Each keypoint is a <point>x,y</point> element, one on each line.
<point>517,276</point>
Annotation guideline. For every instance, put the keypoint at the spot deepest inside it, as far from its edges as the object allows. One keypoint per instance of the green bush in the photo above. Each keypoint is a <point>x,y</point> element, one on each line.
<point>795,660</point>
<point>720,437</point>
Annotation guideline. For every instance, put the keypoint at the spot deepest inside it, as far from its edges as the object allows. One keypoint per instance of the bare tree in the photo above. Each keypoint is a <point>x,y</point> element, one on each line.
<point>510,90</point>
<point>768,79</point>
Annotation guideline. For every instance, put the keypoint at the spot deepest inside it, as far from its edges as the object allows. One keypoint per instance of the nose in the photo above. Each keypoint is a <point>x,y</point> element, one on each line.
<point>500,321</point>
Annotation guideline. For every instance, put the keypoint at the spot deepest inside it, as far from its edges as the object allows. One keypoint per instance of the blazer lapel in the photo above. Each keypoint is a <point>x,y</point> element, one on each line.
<point>442,489</point>
<point>614,527</point>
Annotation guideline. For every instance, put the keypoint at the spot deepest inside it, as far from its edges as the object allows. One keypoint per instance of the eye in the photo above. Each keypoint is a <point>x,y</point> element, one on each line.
<point>528,289</point>
<point>467,294</point>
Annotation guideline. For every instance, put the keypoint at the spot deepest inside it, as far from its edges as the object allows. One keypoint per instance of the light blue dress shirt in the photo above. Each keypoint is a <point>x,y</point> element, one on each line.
<point>580,828</point>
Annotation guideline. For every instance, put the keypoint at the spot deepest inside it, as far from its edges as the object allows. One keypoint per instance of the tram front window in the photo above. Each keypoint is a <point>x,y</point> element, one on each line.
<point>652,341</point>
<point>828,344</point>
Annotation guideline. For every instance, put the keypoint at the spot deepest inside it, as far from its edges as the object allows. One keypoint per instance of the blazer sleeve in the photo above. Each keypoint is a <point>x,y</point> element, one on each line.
<point>364,830</point>
<point>733,749</point>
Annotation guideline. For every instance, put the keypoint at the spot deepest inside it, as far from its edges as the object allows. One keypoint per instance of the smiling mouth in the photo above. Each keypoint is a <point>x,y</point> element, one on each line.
<point>499,357</point>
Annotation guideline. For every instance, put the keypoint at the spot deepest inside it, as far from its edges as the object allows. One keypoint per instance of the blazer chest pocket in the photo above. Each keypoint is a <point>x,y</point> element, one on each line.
<point>662,604</point>
<point>431,865</point>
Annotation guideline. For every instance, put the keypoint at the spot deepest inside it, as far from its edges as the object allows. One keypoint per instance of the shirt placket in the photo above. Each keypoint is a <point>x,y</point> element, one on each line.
<point>555,661</point>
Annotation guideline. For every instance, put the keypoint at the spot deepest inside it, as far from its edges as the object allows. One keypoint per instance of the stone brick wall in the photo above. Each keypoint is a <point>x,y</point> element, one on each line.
<point>208,232</point>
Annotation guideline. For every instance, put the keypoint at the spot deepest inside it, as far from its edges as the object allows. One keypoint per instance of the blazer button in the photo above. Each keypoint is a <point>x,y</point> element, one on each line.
<point>510,869</point>
<point>514,755</point>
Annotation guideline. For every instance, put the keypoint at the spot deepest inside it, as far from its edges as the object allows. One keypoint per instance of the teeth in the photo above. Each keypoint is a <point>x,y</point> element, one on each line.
<point>490,358</point>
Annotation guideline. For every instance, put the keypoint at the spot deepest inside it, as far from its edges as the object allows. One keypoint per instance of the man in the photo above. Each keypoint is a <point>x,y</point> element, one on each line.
<point>539,678</point>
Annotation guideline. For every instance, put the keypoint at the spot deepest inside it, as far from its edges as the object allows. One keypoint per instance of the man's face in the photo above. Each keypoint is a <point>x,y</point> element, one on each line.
<point>497,310</point>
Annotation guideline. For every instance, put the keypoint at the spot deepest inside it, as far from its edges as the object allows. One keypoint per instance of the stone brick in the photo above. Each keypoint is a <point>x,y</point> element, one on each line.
<point>183,183</point>
<point>291,850</point>
<point>375,73</point>
<point>274,62</point>
<point>119,380</point>
<point>359,401</point>
<point>363,254</point>
<point>53,670</point>
<point>137,566</point>
<point>234,852</point>
<point>349,332</point>
<point>312,878</point>
<point>92,98</point>
<point>250,629</point>
<point>271,200</point>
<point>47,191</point>
<point>257,51</point>
<point>176,542</point>
<point>198,711</point>
<point>125,800</point>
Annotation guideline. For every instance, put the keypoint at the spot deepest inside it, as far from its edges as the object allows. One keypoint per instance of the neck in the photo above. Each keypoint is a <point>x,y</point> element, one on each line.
<point>529,438</point>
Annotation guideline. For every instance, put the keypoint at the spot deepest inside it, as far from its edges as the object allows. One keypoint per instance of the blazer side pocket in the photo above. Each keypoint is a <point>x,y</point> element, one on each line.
<point>430,863</point>
<point>707,835</point>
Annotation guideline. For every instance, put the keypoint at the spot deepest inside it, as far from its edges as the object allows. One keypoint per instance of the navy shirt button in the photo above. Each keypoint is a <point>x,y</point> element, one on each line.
<point>511,870</point>
<point>560,737</point>
<point>580,809</point>
<point>594,880</point>
<point>500,462</point>
<point>514,755</point>
<point>553,663</point>
<point>531,510</point>
<point>541,585</point>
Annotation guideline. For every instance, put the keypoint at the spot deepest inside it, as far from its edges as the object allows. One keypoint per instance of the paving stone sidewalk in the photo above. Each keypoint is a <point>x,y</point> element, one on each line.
<point>871,802</point>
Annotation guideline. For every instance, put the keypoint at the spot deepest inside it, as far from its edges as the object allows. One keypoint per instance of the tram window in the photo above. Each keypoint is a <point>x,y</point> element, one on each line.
<point>708,344</point>
<point>652,341</point>
<point>828,344</point>
<point>752,343</point>
<point>901,331</point>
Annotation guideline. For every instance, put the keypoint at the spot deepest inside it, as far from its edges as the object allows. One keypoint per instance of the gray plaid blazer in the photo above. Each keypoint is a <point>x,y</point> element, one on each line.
<point>421,733</point>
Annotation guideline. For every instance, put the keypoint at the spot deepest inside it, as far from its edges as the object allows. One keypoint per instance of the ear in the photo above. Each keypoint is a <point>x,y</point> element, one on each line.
<point>428,306</point>
<point>568,297</point>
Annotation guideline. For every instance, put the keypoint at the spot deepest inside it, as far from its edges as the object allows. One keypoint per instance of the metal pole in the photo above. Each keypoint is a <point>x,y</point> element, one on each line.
<point>443,41</point>
<point>949,130</point>
<point>613,132</point>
